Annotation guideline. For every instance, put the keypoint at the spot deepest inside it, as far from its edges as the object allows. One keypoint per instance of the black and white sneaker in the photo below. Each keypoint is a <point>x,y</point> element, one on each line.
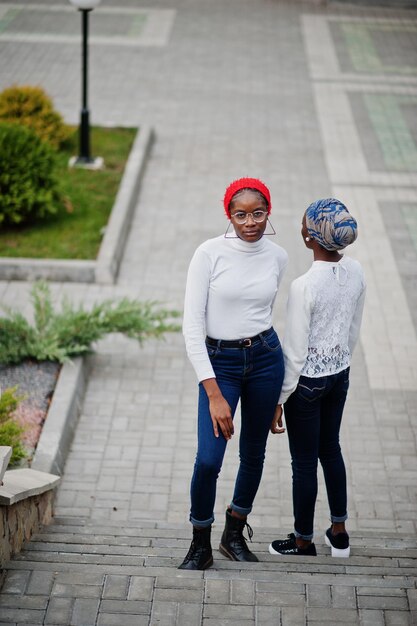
<point>338,543</point>
<point>289,546</point>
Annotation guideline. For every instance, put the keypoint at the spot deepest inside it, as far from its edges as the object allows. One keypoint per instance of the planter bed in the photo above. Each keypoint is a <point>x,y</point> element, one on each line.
<point>105,267</point>
<point>54,394</point>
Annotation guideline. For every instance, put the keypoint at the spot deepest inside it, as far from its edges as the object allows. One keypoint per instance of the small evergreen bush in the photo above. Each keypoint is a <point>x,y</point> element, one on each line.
<point>32,107</point>
<point>10,431</point>
<point>58,336</point>
<point>28,184</point>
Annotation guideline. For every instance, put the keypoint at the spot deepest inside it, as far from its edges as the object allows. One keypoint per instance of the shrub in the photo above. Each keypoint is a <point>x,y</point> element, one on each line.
<point>10,431</point>
<point>32,107</point>
<point>58,336</point>
<point>28,183</point>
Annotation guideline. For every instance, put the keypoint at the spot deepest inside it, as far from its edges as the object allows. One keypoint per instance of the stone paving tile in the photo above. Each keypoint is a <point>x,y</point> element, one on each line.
<point>343,597</point>
<point>40,584</point>
<point>79,590</point>
<point>59,611</point>
<point>266,615</point>
<point>141,588</point>
<point>111,619</point>
<point>398,619</point>
<point>12,601</point>
<point>24,615</point>
<point>16,582</point>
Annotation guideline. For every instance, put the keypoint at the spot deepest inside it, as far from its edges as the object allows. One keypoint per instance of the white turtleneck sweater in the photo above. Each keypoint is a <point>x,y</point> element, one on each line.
<point>324,314</point>
<point>231,288</point>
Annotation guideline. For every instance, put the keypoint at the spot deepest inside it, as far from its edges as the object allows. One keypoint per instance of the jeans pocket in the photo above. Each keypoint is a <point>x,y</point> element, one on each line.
<point>212,352</point>
<point>271,343</point>
<point>311,389</point>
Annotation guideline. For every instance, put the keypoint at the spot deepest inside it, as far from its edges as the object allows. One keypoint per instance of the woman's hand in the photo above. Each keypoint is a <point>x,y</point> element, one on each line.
<point>276,424</point>
<point>221,414</point>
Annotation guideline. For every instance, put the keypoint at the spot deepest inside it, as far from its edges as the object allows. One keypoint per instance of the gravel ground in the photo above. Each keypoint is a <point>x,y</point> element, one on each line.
<point>36,381</point>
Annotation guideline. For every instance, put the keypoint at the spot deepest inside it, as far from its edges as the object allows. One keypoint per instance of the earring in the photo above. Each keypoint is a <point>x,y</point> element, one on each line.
<point>227,236</point>
<point>307,238</point>
<point>273,229</point>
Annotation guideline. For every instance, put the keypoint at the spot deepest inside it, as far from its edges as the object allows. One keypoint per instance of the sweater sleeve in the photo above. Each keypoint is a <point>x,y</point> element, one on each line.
<point>297,330</point>
<point>282,266</point>
<point>194,320</point>
<point>356,322</point>
<point>283,262</point>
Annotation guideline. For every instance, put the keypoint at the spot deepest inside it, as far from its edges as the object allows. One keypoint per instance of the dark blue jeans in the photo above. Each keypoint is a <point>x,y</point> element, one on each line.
<point>254,375</point>
<point>313,414</point>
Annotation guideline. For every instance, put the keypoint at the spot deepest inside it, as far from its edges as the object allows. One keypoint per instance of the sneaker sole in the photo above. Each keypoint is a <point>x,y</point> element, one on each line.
<point>272,551</point>
<point>337,552</point>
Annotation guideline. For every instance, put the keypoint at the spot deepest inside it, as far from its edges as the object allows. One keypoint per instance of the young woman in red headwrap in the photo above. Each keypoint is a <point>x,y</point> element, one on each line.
<point>232,284</point>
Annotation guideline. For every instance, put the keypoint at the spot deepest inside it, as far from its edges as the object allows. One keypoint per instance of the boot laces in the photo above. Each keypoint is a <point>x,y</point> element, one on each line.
<point>239,534</point>
<point>195,547</point>
<point>250,531</point>
<point>191,552</point>
<point>198,545</point>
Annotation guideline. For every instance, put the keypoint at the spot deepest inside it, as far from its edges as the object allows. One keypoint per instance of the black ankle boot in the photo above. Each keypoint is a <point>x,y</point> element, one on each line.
<point>199,556</point>
<point>233,544</point>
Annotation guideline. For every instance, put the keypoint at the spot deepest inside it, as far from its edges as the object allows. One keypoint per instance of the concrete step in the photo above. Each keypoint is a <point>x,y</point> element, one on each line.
<point>69,544</point>
<point>76,572</point>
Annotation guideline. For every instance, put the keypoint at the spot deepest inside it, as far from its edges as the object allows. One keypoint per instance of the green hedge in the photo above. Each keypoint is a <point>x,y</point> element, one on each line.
<point>32,107</point>
<point>28,183</point>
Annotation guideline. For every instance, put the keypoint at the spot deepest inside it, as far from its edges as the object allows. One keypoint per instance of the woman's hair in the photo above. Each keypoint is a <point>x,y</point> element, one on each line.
<point>246,184</point>
<point>329,222</point>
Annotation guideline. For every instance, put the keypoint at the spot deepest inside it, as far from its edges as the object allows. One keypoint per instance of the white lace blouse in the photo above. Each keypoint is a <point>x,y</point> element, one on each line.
<point>324,314</point>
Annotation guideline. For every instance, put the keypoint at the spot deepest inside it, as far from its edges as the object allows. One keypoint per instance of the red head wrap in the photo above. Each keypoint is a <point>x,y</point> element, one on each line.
<point>244,183</point>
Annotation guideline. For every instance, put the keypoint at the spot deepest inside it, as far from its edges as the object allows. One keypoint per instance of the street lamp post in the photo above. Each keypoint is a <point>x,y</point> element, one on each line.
<point>84,159</point>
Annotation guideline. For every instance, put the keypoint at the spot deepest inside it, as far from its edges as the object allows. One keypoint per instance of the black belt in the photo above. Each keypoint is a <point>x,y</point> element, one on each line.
<point>236,343</point>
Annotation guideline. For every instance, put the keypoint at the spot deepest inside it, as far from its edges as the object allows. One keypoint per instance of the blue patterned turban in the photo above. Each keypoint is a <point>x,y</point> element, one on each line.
<point>329,222</point>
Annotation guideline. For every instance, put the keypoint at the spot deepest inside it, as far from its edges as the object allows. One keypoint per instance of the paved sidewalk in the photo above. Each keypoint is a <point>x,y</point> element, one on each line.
<point>317,101</point>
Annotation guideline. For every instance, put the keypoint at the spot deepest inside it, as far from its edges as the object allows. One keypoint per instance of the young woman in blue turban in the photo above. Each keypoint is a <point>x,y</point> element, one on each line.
<point>323,319</point>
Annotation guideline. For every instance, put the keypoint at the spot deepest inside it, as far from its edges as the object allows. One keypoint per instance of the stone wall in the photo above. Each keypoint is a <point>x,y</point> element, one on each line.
<point>20,520</point>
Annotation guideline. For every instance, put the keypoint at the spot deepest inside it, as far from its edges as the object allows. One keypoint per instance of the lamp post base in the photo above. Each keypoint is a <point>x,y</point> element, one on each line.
<point>92,163</point>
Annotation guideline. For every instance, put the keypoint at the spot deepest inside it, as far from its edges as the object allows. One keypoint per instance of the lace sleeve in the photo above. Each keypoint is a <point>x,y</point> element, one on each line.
<point>356,322</point>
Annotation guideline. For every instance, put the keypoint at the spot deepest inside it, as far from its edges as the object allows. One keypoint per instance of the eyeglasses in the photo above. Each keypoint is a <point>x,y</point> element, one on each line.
<point>241,217</point>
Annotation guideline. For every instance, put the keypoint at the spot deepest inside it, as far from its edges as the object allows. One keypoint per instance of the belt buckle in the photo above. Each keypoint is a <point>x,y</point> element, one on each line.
<point>247,343</point>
